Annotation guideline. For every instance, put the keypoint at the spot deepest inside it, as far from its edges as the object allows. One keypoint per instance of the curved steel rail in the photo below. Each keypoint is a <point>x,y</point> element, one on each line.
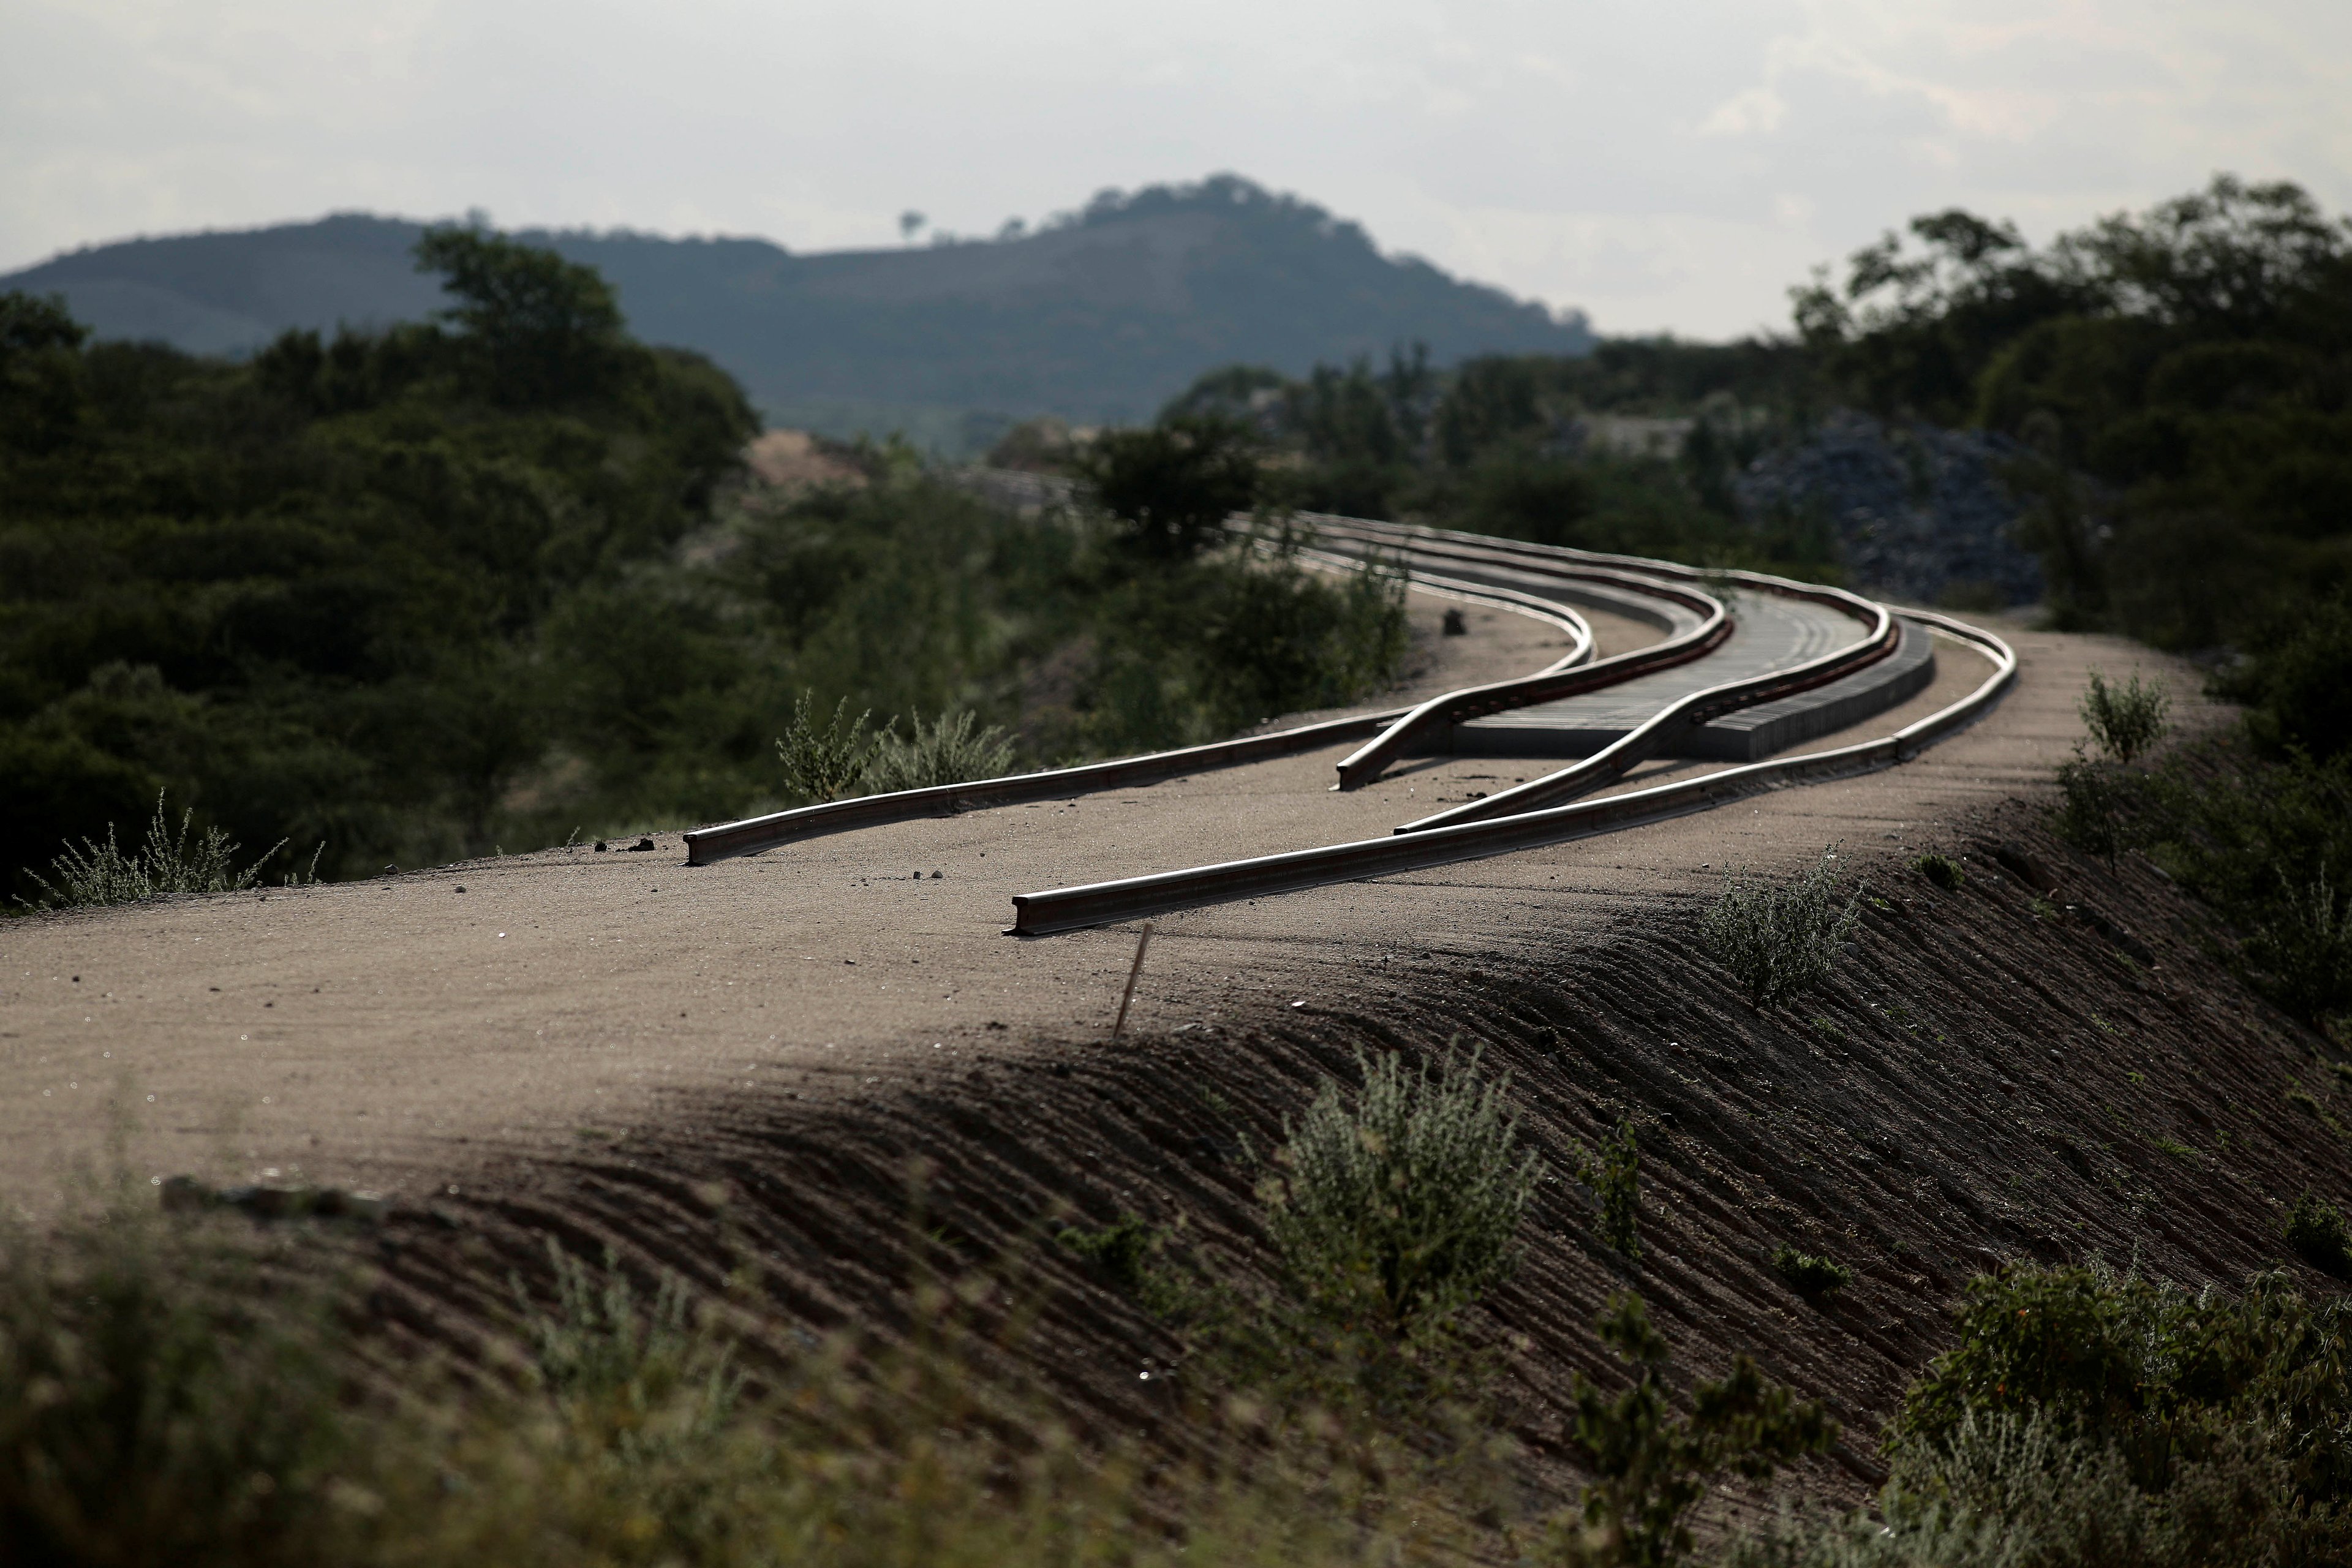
<point>1367,762</point>
<point>705,846</point>
<point>1669,724</point>
<point>1098,903</point>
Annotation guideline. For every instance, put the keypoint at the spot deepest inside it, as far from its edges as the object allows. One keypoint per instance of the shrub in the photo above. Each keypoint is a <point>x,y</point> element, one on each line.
<point>608,1361</point>
<point>2091,1417</point>
<point>167,862</point>
<point>2012,1490</point>
<point>1808,1275</point>
<point>1614,1175</point>
<point>828,762</point>
<point>1406,1203</point>
<point>1942,870</point>
<point>2126,719</point>
<point>2303,945</point>
<point>1173,484</point>
<point>1780,939</point>
<point>943,751</point>
<point>2299,684</point>
<point>162,1399</point>
<point>2095,800</point>
<point>1122,1250</point>
<point>1653,1469</point>
<point>2316,1229</point>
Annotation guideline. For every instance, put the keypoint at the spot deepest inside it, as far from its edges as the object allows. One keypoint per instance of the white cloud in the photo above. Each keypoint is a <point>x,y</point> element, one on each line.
<point>1660,165</point>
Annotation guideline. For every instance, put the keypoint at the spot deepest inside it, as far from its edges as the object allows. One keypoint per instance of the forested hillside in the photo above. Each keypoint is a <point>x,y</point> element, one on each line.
<point>1099,315</point>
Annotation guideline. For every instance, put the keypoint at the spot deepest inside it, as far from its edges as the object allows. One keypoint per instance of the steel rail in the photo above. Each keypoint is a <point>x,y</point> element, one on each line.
<point>1661,730</point>
<point>1100,903</point>
<point>1367,762</point>
<point>720,841</point>
<point>1668,725</point>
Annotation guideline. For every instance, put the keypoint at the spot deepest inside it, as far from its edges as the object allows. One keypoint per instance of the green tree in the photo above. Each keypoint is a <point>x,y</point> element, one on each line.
<point>1173,484</point>
<point>548,329</point>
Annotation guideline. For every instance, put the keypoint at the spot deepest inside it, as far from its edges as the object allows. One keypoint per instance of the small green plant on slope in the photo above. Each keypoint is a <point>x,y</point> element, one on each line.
<point>824,762</point>
<point>167,862</point>
<point>1614,1173</point>
<point>1779,939</point>
<point>2126,719</point>
<point>610,1364</point>
<point>2095,802</point>
<point>1653,1468</point>
<point>942,751</point>
<point>2316,1229</point>
<point>1808,1275</point>
<point>1942,870</point>
<point>2303,947</point>
<point>1403,1206</point>
<point>1122,1250</point>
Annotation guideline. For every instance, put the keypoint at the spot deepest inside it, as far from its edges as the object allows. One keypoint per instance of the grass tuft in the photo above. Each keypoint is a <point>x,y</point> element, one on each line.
<point>168,862</point>
<point>1780,939</point>
<point>944,751</point>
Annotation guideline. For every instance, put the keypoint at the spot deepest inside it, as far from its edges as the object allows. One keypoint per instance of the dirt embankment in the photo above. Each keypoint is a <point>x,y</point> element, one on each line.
<point>686,1065</point>
<point>1996,1072</point>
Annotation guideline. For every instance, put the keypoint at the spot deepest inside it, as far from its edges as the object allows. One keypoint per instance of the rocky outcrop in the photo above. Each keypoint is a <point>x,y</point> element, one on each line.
<point>1922,514</point>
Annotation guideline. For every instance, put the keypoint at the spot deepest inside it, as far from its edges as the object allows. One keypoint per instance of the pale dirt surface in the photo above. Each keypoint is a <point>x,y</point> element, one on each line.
<point>405,1035</point>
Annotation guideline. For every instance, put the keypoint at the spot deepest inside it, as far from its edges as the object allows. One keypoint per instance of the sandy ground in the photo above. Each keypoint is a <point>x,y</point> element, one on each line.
<point>410,1032</point>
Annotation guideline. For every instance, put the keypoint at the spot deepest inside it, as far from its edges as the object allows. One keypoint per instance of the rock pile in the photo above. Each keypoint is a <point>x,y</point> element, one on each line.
<point>1922,513</point>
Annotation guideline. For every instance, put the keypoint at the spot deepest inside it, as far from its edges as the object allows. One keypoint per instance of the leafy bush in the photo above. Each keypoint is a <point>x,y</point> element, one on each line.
<point>2147,1368</point>
<point>2299,685</point>
<point>1653,1468</point>
<point>2302,946</point>
<point>1808,1275</point>
<point>942,751</point>
<point>2010,1491</point>
<point>605,1359</point>
<point>1174,483</point>
<point>2095,1418</point>
<point>1405,1204</point>
<point>828,762</point>
<point>1942,870</point>
<point>98,874</point>
<point>2095,802</point>
<point>1121,1250</point>
<point>1780,939</point>
<point>163,1397</point>
<point>2126,719</point>
<point>1614,1174</point>
<point>2316,1229</point>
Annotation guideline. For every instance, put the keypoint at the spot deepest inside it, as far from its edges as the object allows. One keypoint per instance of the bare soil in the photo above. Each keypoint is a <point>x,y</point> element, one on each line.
<point>704,1068</point>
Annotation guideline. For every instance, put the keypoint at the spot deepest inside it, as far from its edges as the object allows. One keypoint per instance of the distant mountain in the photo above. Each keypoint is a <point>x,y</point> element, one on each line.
<point>1098,315</point>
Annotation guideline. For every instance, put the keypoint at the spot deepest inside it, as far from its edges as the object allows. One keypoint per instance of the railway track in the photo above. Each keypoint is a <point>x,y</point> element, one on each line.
<point>1748,660</point>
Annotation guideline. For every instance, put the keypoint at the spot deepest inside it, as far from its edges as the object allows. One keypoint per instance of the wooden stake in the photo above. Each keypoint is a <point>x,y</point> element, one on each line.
<point>1137,968</point>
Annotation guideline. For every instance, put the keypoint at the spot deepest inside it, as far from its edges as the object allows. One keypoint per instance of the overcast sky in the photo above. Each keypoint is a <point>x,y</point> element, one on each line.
<point>1663,164</point>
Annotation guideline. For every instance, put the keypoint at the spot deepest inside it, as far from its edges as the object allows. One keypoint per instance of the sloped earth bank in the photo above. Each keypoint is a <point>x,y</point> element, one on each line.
<point>1984,1079</point>
<point>1997,1072</point>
